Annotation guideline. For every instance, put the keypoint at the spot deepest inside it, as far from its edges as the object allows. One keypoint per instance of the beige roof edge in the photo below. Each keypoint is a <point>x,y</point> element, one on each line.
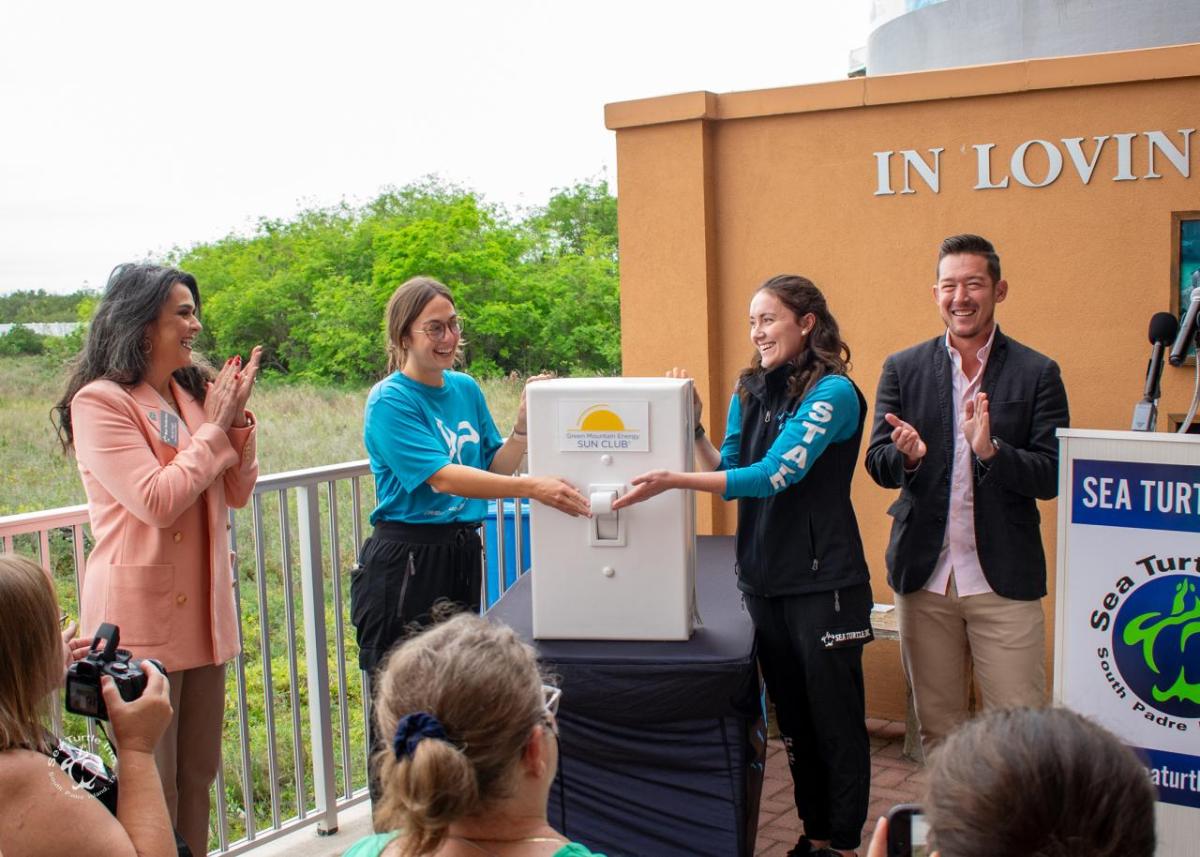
<point>997,79</point>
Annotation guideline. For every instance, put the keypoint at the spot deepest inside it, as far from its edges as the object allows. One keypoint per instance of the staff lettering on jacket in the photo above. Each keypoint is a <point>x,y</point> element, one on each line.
<point>820,412</point>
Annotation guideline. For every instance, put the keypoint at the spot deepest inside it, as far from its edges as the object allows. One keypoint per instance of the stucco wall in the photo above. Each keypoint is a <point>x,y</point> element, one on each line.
<point>716,193</point>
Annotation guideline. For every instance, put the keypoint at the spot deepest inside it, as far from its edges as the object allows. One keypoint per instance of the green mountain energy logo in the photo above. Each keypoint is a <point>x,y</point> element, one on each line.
<point>1156,644</point>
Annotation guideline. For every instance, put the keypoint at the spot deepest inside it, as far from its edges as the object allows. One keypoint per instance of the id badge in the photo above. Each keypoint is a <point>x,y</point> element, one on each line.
<point>168,428</point>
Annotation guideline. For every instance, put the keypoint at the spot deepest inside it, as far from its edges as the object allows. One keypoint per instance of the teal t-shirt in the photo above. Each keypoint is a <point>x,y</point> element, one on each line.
<point>372,846</point>
<point>828,414</point>
<point>411,431</point>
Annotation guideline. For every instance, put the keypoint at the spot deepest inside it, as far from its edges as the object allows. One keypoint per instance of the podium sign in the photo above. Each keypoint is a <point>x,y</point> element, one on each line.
<point>1127,635</point>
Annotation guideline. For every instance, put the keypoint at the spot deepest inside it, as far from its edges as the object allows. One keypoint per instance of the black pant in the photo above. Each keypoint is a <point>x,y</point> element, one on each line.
<point>810,652</point>
<point>409,576</point>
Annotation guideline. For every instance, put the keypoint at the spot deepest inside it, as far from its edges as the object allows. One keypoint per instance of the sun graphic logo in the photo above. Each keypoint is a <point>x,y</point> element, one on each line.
<point>608,427</point>
<point>600,418</point>
<point>1156,642</point>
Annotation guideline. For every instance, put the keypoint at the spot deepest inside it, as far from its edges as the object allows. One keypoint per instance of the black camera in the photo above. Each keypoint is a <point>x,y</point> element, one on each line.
<point>83,676</point>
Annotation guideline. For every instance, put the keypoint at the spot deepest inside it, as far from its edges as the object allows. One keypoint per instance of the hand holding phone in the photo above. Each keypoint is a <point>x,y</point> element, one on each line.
<point>907,832</point>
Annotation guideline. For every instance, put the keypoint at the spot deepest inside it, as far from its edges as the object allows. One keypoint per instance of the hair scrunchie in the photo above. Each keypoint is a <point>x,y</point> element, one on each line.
<point>412,729</point>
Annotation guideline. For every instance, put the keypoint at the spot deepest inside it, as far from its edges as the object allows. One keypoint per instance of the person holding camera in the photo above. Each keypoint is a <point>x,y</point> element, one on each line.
<point>48,813</point>
<point>165,446</point>
<point>1034,781</point>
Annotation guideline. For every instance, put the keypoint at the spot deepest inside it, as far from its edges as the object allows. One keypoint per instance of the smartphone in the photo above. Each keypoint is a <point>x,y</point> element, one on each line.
<point>908,832</point>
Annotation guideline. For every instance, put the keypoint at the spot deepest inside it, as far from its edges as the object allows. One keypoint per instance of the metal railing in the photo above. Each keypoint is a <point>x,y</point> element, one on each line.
<point>277,776</point>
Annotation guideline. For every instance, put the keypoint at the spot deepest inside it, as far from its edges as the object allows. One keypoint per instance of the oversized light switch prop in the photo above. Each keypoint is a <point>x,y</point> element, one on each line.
<point>619,575</point>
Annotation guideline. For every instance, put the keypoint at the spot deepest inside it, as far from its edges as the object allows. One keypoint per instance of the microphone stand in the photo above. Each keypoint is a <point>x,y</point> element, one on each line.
<point>1191,414</point>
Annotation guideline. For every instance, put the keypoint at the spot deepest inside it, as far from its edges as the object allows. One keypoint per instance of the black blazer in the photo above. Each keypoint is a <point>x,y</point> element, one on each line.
<point>1027,404</point>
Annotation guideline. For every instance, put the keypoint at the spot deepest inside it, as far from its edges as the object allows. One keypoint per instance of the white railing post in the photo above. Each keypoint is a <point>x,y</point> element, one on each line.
<point>316,655</point>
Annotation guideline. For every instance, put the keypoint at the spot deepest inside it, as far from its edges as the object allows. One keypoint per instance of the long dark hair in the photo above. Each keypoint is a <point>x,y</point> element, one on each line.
<point>826,353</point>
<point>113,349</point>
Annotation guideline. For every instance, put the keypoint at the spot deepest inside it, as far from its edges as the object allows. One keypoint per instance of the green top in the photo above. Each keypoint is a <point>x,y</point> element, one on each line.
<point>372,846</point>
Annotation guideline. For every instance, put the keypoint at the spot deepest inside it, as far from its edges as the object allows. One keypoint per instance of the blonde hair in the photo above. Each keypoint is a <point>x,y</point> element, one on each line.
<point>405,304</point>
<point>484,687</point>
<point>31,653</point>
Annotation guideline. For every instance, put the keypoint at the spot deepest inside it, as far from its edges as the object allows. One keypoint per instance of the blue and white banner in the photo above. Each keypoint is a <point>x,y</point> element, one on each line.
<point>1132,607</point>
<point>1136,495</point>
<point>1176,775</point>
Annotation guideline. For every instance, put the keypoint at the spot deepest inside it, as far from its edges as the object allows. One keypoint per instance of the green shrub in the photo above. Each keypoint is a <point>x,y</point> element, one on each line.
<point>20,340</point>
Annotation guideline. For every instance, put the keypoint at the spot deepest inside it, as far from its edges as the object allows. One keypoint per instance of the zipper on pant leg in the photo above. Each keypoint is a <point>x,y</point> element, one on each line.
<point>409,572</point>
<point>837,602</point>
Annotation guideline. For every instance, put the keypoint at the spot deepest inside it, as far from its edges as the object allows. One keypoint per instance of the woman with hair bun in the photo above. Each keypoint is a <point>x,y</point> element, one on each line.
<point>791,443</point>
<point>472,750</point>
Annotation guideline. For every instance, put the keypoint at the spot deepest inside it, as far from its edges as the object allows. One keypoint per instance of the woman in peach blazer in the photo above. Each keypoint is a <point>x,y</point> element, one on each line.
<point>164,446</point>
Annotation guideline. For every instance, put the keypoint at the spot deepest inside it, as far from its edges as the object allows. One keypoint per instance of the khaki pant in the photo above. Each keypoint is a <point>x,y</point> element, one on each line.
<point>190,750</point>
<point>942,635</point>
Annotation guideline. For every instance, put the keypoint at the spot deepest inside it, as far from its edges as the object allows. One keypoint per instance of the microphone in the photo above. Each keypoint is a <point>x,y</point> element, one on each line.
<point>1187,328</point>
<point>1163,328</point>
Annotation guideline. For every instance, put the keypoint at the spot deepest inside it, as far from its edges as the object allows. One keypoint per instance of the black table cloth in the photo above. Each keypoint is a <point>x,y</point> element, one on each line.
<point>661,743</point>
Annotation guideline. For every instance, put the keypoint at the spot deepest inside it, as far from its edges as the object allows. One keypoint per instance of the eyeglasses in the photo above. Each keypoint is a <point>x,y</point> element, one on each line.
<point>437,330</point>
<point>552,696</point>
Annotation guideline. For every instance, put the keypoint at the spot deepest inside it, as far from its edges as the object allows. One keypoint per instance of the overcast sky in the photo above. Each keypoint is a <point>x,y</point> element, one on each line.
<point>128,128</point>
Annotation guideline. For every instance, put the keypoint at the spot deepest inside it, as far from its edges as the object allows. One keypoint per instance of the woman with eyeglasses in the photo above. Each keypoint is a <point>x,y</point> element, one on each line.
<point>792,438</point>
<point>471,750</point>
<point>437,458</point>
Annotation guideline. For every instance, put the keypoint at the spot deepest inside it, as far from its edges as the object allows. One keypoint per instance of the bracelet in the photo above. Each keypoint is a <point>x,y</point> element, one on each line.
<point>517,435</point>
<point>699,430</point>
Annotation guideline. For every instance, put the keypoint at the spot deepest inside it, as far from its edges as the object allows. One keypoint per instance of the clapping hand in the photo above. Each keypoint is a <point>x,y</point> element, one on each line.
<point>977,427</point>
<point>245,384</point>
<point>908,440</point>
<point>221,395</point>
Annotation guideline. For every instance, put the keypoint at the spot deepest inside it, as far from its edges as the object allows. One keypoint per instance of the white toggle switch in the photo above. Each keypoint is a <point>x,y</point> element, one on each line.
<point>606,527</point>
<point>602,502</point>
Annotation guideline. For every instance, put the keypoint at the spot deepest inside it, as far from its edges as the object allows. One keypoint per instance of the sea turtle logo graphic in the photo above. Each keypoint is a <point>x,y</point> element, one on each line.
<point>1156,640</point>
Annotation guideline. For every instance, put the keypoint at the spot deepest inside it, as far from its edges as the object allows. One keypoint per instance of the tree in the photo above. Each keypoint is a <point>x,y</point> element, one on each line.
<point>535,293</point>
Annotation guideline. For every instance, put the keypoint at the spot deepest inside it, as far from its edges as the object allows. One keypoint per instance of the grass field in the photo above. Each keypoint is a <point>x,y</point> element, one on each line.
<point>300,426</point>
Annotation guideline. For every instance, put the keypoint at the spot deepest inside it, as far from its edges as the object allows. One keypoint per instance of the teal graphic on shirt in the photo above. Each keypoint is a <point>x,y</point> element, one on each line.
<point>411,431</point>
<point>827,414</point>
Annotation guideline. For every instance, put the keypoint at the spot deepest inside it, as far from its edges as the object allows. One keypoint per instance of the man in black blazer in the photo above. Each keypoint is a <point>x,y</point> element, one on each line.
<point>965,427</point>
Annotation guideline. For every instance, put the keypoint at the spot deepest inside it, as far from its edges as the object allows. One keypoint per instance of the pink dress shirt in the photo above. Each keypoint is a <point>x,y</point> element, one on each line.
<point>959,556</point>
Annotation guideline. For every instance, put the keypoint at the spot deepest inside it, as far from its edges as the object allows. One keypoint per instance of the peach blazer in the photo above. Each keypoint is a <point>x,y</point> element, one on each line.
<point>161,568</point>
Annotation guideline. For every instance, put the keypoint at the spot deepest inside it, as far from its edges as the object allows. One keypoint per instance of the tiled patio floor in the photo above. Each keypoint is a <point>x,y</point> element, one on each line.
<point>894,779</point>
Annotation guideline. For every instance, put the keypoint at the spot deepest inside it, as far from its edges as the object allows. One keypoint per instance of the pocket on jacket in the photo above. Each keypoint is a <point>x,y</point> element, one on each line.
<point>1010,421</point>
<point>1023,511</point>
<point>140,600</point>
<point>900,509</point>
